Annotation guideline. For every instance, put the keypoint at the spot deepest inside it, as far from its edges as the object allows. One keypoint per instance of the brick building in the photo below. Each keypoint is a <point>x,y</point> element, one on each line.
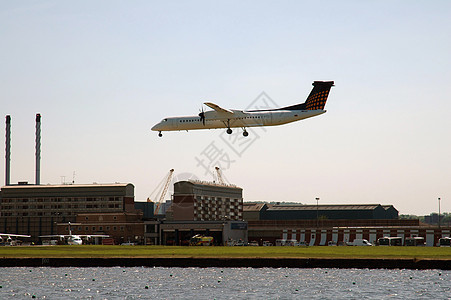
<point>36,209</point>
<point>204,201</point>
<point>121,227</point>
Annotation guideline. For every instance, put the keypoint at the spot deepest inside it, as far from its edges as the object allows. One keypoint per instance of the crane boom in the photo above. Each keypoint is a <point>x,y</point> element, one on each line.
<point>220,179</point>
<point>165,190</point>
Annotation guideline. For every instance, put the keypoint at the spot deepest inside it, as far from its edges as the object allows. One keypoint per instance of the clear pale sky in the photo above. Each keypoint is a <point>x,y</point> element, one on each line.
<point>102,73</point>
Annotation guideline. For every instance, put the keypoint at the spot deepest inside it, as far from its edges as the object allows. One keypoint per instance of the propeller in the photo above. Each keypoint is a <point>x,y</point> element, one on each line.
<point>202,115</point>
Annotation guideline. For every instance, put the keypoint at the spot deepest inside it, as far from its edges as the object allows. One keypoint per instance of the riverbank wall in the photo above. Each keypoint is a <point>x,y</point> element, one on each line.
<point>345,263</point>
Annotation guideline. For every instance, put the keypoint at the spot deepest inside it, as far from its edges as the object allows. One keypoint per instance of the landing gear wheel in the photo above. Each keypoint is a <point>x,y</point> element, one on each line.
<point>159,134</point>
<point>245,133</point>
<point>229,131</point>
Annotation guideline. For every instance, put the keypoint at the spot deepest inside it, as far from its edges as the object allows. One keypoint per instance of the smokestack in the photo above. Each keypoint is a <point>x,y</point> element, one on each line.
<point>8,150</point>
<point>38,149</point>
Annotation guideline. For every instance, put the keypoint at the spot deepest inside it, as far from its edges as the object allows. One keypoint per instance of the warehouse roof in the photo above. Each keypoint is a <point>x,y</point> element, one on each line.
<point>49,186</point>
<point>67,190</point>
<point>324,207</point>
<point>252,206</point>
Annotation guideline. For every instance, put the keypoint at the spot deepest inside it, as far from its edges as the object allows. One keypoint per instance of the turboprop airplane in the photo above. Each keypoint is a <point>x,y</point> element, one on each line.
<point>73,239</point>
<point>7,238</point>
<point>229,118</point>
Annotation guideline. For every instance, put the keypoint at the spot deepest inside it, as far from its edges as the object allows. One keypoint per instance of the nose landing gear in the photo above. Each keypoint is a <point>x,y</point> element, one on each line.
<point>160,134</point>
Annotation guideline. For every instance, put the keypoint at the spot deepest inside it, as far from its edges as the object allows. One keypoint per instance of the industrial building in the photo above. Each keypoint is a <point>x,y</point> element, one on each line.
<point>180,232</point>
<point>36,209</point>
<point>206,201</point>
<point>206,208</point>
<point>266,211</point>
<point>336,232</point>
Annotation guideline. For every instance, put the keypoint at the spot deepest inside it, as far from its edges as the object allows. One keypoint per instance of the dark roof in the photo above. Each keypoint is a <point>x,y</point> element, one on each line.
<point>56,186</point>
<point>251,206</point>
<point>388,207</point>
<point>67,190</point>
<point>325,207</point>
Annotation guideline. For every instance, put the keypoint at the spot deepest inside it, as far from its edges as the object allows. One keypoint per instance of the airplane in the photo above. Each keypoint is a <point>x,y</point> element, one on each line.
<point>73,239</point>
<point>7,238</point>
<point>229,118</point>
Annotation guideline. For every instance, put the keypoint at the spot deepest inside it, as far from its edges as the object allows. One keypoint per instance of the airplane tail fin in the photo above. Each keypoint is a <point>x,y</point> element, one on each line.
<point>317,98</point>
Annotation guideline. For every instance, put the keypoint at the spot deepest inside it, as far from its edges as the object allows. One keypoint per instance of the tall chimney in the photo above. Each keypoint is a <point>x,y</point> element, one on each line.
<point>8,150</point>
<point>38,149</point>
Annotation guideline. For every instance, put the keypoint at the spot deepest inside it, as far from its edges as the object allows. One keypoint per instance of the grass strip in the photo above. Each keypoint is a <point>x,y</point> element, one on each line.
<point>100,251</point>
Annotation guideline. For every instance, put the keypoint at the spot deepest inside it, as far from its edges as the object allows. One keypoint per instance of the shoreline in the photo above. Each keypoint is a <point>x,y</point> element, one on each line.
<point>188,262</point>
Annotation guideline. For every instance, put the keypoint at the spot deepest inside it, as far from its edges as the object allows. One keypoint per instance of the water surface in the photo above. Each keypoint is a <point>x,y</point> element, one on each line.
<point>222,283</point>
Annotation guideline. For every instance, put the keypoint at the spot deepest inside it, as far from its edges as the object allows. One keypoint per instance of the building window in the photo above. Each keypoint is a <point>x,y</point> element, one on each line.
<point>93,228</point>
<point>114,228</point>
<point>86,228</point>
<point>151,228</point>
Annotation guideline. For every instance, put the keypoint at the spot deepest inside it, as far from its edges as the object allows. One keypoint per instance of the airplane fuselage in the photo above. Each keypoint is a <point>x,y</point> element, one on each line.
<point>221,117</point>
<point>239,119</point>
<point>74,240</point>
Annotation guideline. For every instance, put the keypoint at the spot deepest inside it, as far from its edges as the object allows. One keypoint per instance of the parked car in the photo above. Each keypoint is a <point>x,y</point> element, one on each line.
<point>360,242</point>
<point>128,244</point>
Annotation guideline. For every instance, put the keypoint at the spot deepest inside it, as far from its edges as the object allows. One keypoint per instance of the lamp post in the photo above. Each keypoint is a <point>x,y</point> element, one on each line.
<point>438,212</point>
<point>317,216</point>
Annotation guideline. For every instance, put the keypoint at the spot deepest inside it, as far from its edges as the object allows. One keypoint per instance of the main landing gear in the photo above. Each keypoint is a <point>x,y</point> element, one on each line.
<point>160,134</point>
<point>245,133</point>
<point>229,131</point>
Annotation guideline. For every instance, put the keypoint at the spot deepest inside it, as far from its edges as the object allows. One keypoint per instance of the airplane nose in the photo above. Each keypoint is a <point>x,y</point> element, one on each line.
<point>155,127</point>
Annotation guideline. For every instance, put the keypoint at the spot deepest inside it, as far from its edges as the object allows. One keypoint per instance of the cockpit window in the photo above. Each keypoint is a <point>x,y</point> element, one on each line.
<point>165,120</point>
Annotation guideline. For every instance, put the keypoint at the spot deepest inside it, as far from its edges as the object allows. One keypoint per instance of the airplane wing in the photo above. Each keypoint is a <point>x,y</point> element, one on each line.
<point>92,235</point>
<point>218,108</point>
<point>14,235</point>
<point>54,235</point>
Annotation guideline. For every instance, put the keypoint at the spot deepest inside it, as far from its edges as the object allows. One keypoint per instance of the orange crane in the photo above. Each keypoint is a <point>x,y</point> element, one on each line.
<point>166,181</point>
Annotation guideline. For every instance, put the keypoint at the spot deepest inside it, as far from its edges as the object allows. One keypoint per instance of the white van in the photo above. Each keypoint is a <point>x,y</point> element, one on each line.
<point>360,242</point>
